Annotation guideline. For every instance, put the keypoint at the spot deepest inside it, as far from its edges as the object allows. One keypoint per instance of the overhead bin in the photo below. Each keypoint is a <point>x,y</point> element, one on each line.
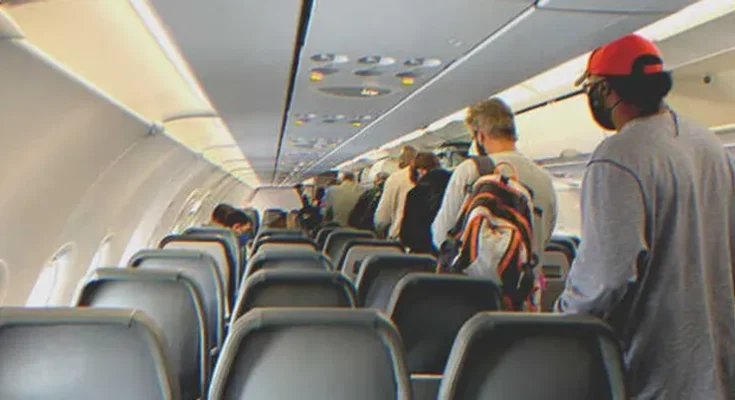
<point>8,28</point>
<point>626,6</point>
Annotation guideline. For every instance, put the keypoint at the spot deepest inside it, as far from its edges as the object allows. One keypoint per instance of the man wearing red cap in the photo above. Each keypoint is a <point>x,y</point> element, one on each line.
<point>656,259</point>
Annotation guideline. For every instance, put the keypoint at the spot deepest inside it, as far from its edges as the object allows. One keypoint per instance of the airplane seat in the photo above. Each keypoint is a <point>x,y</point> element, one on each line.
<point>170,299</point>
<point>281,232</point>
<point>216,247</point>
<point>530,356</point>
<point>229,236</point>
<point>555,268</point>
<point>555,264</point>
<point>564,243</point>
<point>429,310</point>
<point>356,250</point>
<point>425,387</point>
<point>321,236</point>
<point>379,274</point>
<point>312,354</point>
<point>200,268</point>
<point>274,218</point>
<point>287,259</point>
<point>295,288</point>
<point>336,240</point>
<point>289,242</point>
<point>68,353</point>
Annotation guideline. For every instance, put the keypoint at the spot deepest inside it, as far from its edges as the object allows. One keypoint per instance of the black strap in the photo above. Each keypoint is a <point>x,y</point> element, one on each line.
<point>484,164</point>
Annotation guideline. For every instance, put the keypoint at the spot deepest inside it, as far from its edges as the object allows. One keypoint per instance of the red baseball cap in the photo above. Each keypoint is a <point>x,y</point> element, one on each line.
<point>630,55</point>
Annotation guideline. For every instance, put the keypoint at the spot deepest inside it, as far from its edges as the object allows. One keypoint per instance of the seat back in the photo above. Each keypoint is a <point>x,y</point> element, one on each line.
<point>530,356</point>
<point>425,387</point>
<point>429,310</point>
<point>311,354</point>
<point>287,259</point>
<point>201,269</point>
<point>273,218</point>
<point>67,353</point>
<point>321,236</point>
<point>278,232</point>
<point>555,264</point>
<point>171,300</point>
<point>216,247</point>
<point>379,274</point>
<point>356,250</point>
<point>295,288</point>
<point>289,241</point>
<point>338,238</point>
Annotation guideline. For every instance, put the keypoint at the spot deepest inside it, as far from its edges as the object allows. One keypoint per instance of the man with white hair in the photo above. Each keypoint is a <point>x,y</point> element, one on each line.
<point>341,199</point>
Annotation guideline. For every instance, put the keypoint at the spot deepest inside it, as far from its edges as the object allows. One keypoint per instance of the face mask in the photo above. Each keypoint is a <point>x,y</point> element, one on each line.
<point>596,101</point>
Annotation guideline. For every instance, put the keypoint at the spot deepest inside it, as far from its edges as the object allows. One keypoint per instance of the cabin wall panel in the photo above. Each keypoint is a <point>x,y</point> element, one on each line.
<point>75,167</point>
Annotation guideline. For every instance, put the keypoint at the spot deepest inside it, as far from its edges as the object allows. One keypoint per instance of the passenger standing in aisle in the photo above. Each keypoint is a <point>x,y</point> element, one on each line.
<point>494,135</point>
<point>658,232</point>
<point>389,213</point>
<point>423,203</point>
<point>341,199</point>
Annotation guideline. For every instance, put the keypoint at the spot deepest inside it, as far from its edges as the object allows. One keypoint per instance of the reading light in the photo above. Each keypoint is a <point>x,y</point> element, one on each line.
<point>408,80</point>
<point>316,76</point>
<point>369,92</point>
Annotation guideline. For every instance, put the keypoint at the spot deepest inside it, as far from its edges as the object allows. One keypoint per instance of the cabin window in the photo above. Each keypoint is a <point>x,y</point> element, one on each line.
<point>43,290</point>
<point>102,256</point>
<point>4,281</point>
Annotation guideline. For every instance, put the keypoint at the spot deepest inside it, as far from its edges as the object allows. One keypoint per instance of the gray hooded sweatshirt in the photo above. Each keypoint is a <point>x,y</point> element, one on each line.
<point>657,257</point>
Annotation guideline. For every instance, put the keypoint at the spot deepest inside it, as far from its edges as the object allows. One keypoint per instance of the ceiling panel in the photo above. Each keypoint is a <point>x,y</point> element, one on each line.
<point>105,43</point>
<point>241,53</point>
<point>506,59</point>
<point>643,6</point>
<point>357,50</point>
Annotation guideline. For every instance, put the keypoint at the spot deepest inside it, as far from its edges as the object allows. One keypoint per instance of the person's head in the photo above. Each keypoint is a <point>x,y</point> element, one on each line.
<point>492,125</point>
<point>408,153</point>
<point>348,176</point>
<point>625,80</point>
<point>424,163</point>
<point>239,222</point>
<point>380,179</point>
<point>220,213</point>
<point>299,188</point>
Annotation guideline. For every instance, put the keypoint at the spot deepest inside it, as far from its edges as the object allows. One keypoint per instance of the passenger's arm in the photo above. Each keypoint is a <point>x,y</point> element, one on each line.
<point>454,196</point>
<point>386,205</point>
<point>613,237</point>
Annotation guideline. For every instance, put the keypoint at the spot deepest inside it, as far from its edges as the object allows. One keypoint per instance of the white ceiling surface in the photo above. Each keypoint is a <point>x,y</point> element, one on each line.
<point>105,43</point>
<point>532,44</point>
<point>402,30</point>
<point>241,52</point>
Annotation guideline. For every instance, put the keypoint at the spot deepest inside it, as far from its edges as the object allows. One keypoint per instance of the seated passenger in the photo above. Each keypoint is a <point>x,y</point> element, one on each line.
<point>422,204</point>
<point>363,214</point>
<point>657,256</point>
<point>494,135</point>
<point>239,222</point>
<point>219,215</point>
<point>274,220</point>
<point>389,213</point>
<point>341,199</point>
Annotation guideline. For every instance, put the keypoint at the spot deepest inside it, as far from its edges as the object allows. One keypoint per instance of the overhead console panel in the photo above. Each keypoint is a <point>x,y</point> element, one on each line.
<point>619,6</point>
<point>533,43</point>
<point>361,58</point>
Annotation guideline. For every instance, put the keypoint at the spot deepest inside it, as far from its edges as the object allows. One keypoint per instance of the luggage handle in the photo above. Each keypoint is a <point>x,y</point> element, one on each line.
<point>513,176</point>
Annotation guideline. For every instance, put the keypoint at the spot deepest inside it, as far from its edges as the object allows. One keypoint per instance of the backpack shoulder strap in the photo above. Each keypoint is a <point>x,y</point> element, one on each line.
<point>484,164</point>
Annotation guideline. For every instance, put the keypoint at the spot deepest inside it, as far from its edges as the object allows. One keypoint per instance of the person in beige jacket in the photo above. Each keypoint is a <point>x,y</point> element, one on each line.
<point>389,213</point>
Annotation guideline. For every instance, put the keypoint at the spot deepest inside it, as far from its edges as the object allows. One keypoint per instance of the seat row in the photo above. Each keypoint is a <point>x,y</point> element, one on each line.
<point>306,353</point>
